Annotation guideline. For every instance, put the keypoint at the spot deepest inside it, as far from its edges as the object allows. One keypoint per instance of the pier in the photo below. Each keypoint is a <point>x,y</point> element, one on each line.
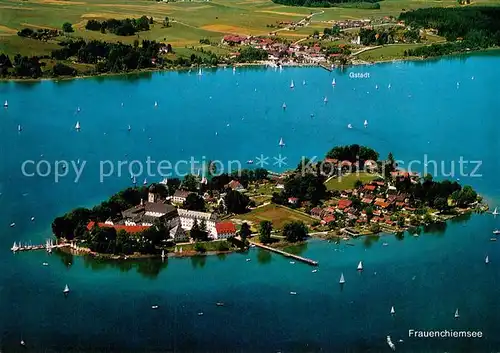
<point>286,254</point>
<point>28,247</point>
<point>326,67</point>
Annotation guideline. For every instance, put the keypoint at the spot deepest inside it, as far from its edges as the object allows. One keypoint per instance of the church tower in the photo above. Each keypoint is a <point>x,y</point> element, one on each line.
<point>151,194</point>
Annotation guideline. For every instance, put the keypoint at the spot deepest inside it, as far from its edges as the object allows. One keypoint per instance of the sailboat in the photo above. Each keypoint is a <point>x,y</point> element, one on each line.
<point>376,86</point>
<point>292,85</point>
<point>145,182</point>
<point>360,266</point>
<point>163,254</point>
<point>349,126</point>
<point>14,247</point>
<point>333,82</point>
<point>495,211</point>
<point>457,315</point>
<point>6,104</point>
<point>19,128</point>
<point>156,104</point>
<point>200,72</point>
<point>304,82</point>
<point>77,126</point>
<point>487,260</point>
<point>234,69</point>
<point>134,180</point>
<point>325,100</point>
<point>78,110</point>
<point>129,128</point>
<point>389,86</point>
<point>393,311</point>
<point>281,143</point>
<point>342,280</point>
<point>496,232</point>
<point>365,123</point>
<point>284,106</point>
<point>66,289</point>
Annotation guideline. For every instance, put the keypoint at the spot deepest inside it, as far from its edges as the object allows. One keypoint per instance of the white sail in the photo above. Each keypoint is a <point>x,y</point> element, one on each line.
<point>495,211</point>
<point>389,86</point>
<point>342,280</point>
<point>304,82</point>
<point>19,128</point>
<point>349,126</point>
<point>393,311</point>
<point>365,123</point>
<point>6,104</point>
<point>134,180</point>
<point>487,260</point>
<point>234,69</point>
<point>163,254</point>
<point>77,126</point>
<point>129,128</point>
<point>281,143</point>
<point>284,105</point>
<point>360,266</point>
<point>200,72</point>
<point>292,85</point>
<point>145,182</point>
<point>156,104</point>
<point>457,315</point>
<point>325,100</point>
<point>333,82</point>
<point>66,289</point>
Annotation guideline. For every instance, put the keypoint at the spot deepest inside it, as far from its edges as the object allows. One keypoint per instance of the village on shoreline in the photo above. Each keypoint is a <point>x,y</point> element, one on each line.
<point>350,193</point>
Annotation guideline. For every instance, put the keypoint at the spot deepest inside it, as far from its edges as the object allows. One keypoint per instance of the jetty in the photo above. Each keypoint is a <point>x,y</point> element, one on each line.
<point>325,67</point>
<point>286,254</point>
<point>48,246</point>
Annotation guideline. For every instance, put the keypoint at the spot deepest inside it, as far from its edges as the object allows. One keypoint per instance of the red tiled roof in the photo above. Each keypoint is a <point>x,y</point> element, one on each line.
<point>234,184</point>
<point>370,187</point>
<point>128,229</point>
<point>344,204</point>
<point>225,228</point>
<point>331,160</point>
<point>329,218</point>
<point>367,200</point>
<point>382,204</point>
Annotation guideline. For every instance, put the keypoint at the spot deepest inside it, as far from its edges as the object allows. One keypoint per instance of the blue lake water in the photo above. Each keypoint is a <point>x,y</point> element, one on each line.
<point>423,113</point>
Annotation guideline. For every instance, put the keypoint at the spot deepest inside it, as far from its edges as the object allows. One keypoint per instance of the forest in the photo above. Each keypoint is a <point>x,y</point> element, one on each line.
<point>126,27</point>
<point>365,4</point>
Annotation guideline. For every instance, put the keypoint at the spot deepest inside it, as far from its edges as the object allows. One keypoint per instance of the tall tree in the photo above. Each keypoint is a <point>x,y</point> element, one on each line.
<point>295,231</point>
<point>236,202</point>
<point>245,231</point>
<point>194,202</point>
<point>190,182</point>
<point>265,231</point>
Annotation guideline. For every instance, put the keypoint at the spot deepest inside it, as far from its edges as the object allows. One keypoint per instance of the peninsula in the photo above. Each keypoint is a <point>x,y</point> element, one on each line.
<point>350,193</point>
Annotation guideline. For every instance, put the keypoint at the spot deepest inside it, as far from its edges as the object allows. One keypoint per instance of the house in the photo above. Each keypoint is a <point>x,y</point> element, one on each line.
<point>293,200</point>
<point>328,218</point>
<point>225,230</point>
<point>382,204</point>
<point>370,166</point>
<point>188,218</point>
<point>147,213</point>
<point>317,212</point>
<point>235,185</point>
<point>369,187</point>
<point>367,200</point>
<point>233,39</point>
<point>180,196</point>
<point>128,229</point>
<point>343,204</point>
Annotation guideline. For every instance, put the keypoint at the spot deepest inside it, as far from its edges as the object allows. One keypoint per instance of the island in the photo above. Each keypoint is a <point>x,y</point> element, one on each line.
<point>350,193</point>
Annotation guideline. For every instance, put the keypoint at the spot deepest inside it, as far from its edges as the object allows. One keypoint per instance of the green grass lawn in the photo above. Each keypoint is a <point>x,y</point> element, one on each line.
<point>278,215</point>
<point>191,20</point>
<point>388,52</point>
<point>347,181</point>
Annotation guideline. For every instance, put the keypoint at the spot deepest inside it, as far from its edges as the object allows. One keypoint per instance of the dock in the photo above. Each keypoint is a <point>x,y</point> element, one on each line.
<point>286,254</point>
<point>326,67</point>
<point>49,246</point>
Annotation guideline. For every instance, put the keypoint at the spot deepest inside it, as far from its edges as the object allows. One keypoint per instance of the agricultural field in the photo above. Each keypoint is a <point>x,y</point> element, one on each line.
<point>190,20</point>
<point>278,215</point>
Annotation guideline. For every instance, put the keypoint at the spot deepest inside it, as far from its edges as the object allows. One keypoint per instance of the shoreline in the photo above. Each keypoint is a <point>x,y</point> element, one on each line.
<point>355,63</point>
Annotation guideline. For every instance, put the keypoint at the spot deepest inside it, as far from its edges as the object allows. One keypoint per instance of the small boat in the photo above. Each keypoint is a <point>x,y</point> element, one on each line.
<point>292,262</point>
<point>293,293</point>
<point>472,78</point>
<point>349,126</point>
<point>250,161</point>
<point>389,342</point>
<point>376,86</point>
<point>77,126</point>
<point>325,100</point>
<point>154,306</point>
<point>12,225</point>
<point>284,106</point>
<point>45,264</point>
<point>252,245</point>
<point>163,254</point>
<point>365,123</point>
<point>23,343</point>
<point>292,84</point>
<point>314,271</point>
<point>495,211</point>
<point>389,86</point>
<point>304,82</point>
<point>333,82</point>
<point>493,239</point>
<point>66,289</point>
<point>281,143</point>
<point>129,128</point>
<point>247,260</point>
<point>156,104</point>
<point>6,104</point>
<point>360,266</point>
<point>385,244</point>
<point>393,311</point>
<point>145,182</point>
<point>19,128</point>
<point>487,260</point>
<point>200,313</point>
<point>219,304</point>
<point>14,247</point>
<point>496,232</point>
<point>342,279</point>
<point>457,315</point>
<point>234,69</point>
<point>200,72</point>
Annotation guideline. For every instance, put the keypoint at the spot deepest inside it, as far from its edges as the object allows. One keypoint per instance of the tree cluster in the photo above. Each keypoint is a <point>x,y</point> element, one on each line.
<point>39,34</point>
<point>353,153</point>
<point>249,53</point>
<point>325,3</point>
<point>126,27</point>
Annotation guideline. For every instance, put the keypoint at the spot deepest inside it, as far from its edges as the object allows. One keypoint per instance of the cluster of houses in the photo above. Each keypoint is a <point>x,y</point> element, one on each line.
<point>178,221</point>
<point>383,198</point>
